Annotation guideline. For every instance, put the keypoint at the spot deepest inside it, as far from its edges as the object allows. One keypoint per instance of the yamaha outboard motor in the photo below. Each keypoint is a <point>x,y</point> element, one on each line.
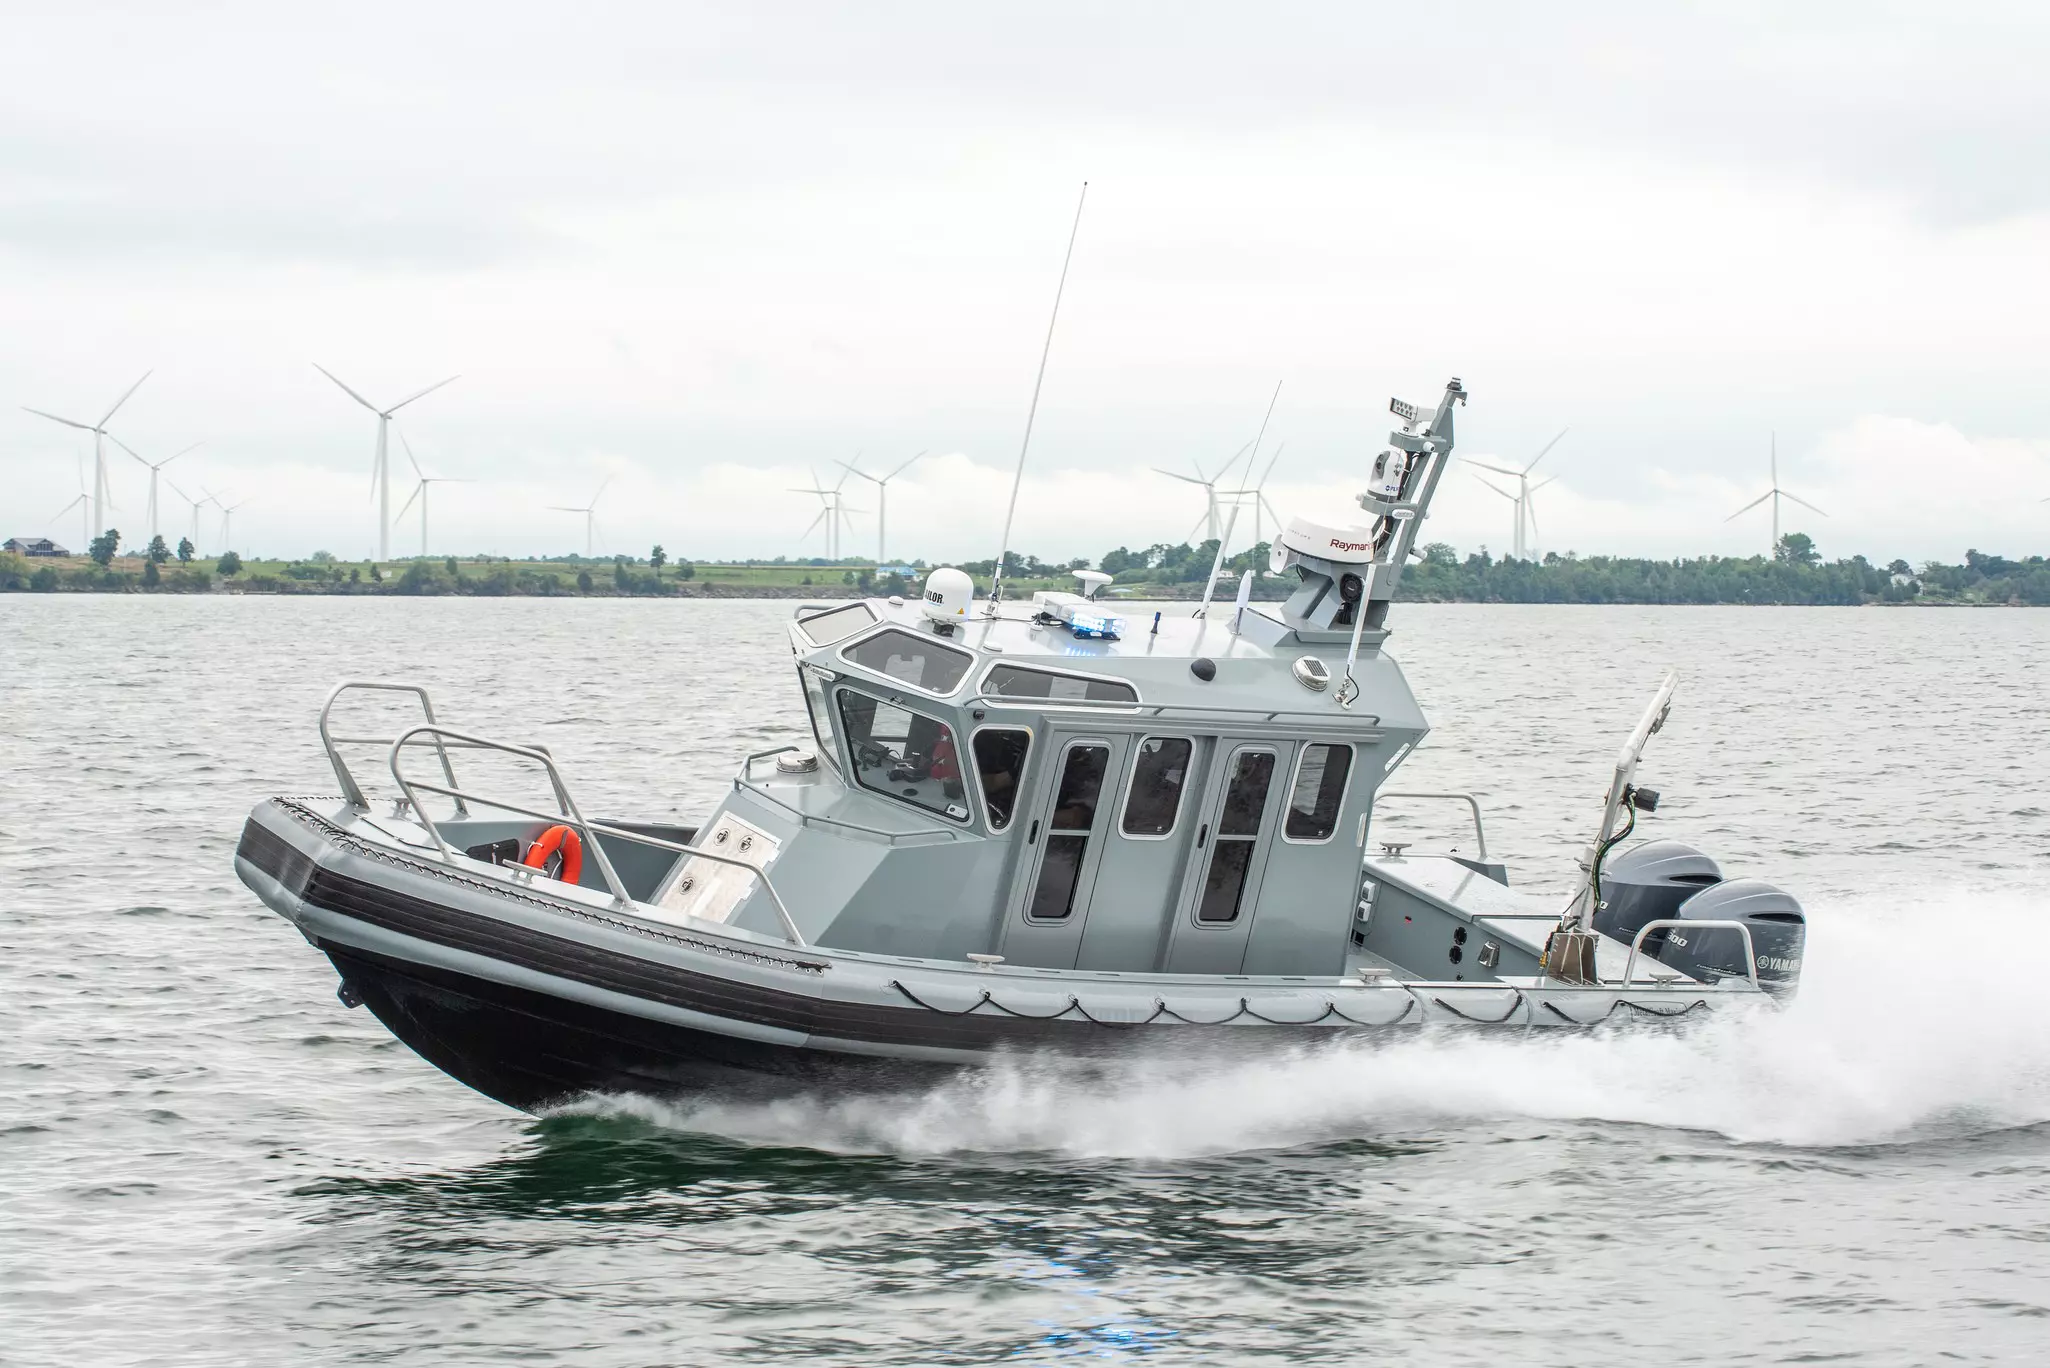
<point>1647,883</point>
<point>1778,929</point>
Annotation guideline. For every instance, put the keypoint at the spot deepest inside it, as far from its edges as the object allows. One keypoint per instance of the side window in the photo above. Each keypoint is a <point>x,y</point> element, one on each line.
<point>1238,832</point>
<point>919,661</point>
<point>1000,767</point>
<point>1159,771</point>
<point>1067,831</point>
<point>1319,792</point>
<point>1015,681</point>
<point>821,715</point>
<point>903,753</point>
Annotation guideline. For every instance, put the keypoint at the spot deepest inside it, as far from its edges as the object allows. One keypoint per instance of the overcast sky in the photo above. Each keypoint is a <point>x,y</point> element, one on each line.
<point>700,250</point>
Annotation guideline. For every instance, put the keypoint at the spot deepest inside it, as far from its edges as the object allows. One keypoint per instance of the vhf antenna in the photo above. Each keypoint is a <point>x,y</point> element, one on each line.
<point>996,579</point>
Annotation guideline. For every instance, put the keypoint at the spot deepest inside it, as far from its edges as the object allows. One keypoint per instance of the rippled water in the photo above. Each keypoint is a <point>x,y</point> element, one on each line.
<point>205,1159</point>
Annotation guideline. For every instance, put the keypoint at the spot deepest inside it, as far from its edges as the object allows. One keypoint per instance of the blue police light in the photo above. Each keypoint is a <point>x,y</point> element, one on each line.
<point>1105,626</point>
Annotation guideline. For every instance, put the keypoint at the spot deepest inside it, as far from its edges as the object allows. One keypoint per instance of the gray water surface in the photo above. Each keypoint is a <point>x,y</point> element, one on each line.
<point>205,1159</point>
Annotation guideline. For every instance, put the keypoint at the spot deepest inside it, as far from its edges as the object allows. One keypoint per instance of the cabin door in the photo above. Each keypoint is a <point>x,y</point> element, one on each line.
<point>1221,888</point>
<point>1066,828</point>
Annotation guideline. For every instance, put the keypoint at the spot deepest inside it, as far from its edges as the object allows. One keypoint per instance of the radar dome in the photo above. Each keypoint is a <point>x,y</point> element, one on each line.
<point>949,593</point>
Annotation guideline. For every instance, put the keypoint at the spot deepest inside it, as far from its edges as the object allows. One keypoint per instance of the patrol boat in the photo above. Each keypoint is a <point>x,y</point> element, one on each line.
<point>1016,827</point>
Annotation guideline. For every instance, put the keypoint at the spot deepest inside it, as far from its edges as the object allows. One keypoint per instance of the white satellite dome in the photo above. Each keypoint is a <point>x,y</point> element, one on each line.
<point>949,594</point>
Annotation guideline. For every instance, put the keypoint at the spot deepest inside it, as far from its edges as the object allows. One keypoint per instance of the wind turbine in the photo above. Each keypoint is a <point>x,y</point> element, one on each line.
<point>227,515</point>
<point>834,513</point>
<point>81,502</point>
<point>1775,494</point>
<point>589,510</point>
<point>153,469</point>
<point>420,490</point>
<point>1525,510</point>
<point>1256,497</point>
<point>196,503</point>
<point>882,484</point>
<point>102,499</point>
<point>380,472</point>
<point>1208,522</point>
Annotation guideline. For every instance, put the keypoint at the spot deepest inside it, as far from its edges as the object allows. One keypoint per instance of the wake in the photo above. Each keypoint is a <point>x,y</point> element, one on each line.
<point>1887,1044</point>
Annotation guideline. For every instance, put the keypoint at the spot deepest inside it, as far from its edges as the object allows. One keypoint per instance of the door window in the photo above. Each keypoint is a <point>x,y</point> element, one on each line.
<point>1159,771</point>
<point>1319,792</point>
<point>1000,765</point>
<point>1068,824</point>
<point>821,714</point>
<point>903,753</point>
<point>1238,831</point>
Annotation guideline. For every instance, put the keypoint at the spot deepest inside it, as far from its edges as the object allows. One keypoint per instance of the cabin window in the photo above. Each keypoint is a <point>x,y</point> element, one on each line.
<point>1000,767</point>
<point>1016,681</point>
<point>903,753</point>
<point>1319,792</point>
<point>836,624</point>
<point>1067,831</point>
<point>1158,774</point>
<point>919,661</point>
<point>821,715</point>
<point>1238,831</point>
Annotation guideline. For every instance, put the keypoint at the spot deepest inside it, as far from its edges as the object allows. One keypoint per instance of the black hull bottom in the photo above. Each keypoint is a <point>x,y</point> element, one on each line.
<point>529,1050</point>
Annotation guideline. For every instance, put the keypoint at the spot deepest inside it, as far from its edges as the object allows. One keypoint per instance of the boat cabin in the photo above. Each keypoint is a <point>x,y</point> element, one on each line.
<point>1071,785</point>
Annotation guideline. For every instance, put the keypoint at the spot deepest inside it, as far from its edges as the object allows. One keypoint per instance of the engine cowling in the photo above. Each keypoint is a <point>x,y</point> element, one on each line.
<point>1779,933</point>
<point>1649,882</point>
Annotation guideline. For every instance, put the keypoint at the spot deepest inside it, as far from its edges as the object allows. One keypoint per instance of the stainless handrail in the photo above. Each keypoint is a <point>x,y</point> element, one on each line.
<point>328,740</point>
<point>1750,952</point>
<point>1480,836</point>
<point>569,809</point>
<point>1341,721</point>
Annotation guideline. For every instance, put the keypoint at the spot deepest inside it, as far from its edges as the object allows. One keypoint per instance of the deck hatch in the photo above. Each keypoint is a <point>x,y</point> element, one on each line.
<point>836,624</point>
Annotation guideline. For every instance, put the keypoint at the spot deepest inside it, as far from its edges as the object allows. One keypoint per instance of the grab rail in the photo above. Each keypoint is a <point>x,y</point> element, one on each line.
<point>745,782</point>
<point>1750,952</point>
<point>1140,708</point>
<point>569,809</point>
<point>1480,836</point>
<point>351,791</point>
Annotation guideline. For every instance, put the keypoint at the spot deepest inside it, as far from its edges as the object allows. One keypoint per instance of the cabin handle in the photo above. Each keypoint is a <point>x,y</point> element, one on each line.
<point>1202,835</point>
<point>1032,836</point>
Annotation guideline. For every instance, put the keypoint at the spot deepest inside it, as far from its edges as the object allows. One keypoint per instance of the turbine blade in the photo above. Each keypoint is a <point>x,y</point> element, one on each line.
<point>1539,485</point>
<point>125,447</point>
<point>123,399</point>
<point>409,499</point>
<point>423,393</point>
<point>1541,455</point>
<point>1530,512</point>
<point>1270,467</point>
<point>808,527</point>
<point>408,446</point>
<point>1790,498</point>
<point>82,427</point>
<point>345,389</point>
<point>1497,488</point>
<point>168,459</point>
<point>855,470</point>
<point>1749,506</point>
<point>902,468</point>
<point>1499,470</point>
<point>601,489</point>
<point>560,508</point>
<point>1185,479</point>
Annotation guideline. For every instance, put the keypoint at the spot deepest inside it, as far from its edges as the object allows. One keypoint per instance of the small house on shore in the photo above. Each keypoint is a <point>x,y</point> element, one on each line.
<point>33,546</point>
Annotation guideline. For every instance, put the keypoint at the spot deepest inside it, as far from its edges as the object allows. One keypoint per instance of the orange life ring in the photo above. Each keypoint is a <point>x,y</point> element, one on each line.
<point>558,838</point>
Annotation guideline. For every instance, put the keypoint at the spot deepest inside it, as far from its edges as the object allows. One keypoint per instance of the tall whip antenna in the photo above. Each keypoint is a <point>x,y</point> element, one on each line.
<point>996,582</point>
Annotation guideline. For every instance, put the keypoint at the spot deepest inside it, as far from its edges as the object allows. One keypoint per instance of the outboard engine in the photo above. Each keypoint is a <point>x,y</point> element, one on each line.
<point>1647,883</point>
<point>1779,930</point>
